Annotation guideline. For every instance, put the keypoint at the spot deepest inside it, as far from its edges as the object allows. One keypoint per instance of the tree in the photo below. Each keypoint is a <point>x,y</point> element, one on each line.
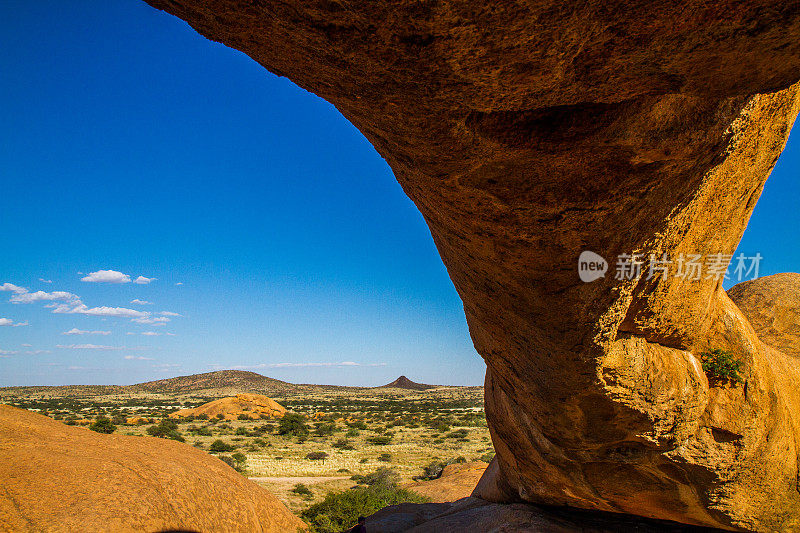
<point>317,456</point>
<point>102,424</point>
<point>293,424</point>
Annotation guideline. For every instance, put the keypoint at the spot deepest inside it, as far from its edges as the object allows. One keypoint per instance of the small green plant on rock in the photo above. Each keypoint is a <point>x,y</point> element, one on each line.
<point>720,365</point>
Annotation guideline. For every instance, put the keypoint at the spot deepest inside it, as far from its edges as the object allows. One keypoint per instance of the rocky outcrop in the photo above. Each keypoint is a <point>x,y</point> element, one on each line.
<point>252,405</point>
<point>56,478</point>
<point>772,306</point>
<point>457,481</point>
<point>527,133</point>
<point>474,514</point>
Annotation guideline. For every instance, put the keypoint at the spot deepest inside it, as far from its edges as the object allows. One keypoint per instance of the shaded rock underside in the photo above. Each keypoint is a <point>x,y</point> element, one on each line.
<point>527,132</point>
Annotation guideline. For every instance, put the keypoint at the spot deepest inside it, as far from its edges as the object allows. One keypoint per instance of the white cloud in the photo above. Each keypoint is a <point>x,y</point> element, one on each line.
<point>76,331</point>
<point>137,301</point>
<point>26,345</point>
<point>89,347</point>
<point>45,280</point>
<point>138,358</point>
<point>37,352</point>
<point>9,322</point>
<point>13,288</point>
<point>82,309</point>
<point>169,313</point>
<point>130,333</point>
<point>155,320</point>
<point>8,352</point>
<point>141,280</point>
<point>169,334</point>
<point>41,296</point>
<point>179,283</point>
<point>18,324</point>
<point>107,276</point>
<point>151,334</point>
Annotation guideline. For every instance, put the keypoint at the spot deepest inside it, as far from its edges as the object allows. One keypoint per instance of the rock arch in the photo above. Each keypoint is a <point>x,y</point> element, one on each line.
<point>527,132</point>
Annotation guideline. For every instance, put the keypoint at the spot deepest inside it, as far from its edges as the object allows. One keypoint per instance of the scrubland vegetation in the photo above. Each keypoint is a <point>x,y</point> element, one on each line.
<point>328,459</point>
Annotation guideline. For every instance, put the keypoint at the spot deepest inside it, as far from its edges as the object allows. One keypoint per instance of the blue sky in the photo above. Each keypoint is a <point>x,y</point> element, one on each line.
<point>261,217</point>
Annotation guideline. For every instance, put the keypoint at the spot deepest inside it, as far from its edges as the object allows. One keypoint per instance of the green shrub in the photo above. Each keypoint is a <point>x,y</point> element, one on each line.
<point>343,444</point>
<point>166,429</point>
<point>243,417</point>
<point>102,424</point>
<point>457,434</point>
<point>487,457</point>
<point>302,490</point>
<point>293,424</point>
<point>720,365</point>
<point>325,429</point>
<point>382,476</point>
<point>385,457</point>
<point>219,446</point>
<point>340,510</point>
<point>380,440</point>
<point>351,433</point>
<point>236,461</point>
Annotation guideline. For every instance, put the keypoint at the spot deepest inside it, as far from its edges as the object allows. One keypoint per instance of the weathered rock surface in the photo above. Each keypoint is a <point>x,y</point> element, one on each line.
<point>252,405</point>
<point>473,514</point>
<point>457,481</point>
<point>55,477</point>
<point>528,132</point>
<point>772,305</point>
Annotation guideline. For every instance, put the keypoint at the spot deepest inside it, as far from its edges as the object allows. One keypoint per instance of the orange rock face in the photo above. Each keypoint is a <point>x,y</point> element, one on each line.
<point>252,405</point>
<point>530,132</point>
<point>58,478</point>
<point>457,481</point>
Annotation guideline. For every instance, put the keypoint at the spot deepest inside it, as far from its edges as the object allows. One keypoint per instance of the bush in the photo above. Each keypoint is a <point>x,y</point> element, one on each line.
<point>243,417</point>
<point>351,433</point>
<point>325,429</point>
<point>385,457</point>
<point>293,424</point>
<point>360,424</point>
<point>720,365</point>
<point>380,440</point>
<point>340,510</point>
<point>457,434</point>
<point>302,490</point>
<point>235,461</point>
<point>382,476</point>
<point>434,469</point>
<point>487,457</point>
<point>166,429</point>
<point>219,446</point>
<point>317,456</point>
<point>103,425</point>
<point>343,444</point>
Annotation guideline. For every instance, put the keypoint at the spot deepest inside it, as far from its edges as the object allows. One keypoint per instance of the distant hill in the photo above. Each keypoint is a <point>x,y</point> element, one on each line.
<point>221,379</point>
<point>404,383</point>
<point>220,383</point>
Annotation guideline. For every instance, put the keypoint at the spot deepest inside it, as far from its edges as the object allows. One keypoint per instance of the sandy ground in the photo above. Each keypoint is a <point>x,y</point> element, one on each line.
<point>282,487</point>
